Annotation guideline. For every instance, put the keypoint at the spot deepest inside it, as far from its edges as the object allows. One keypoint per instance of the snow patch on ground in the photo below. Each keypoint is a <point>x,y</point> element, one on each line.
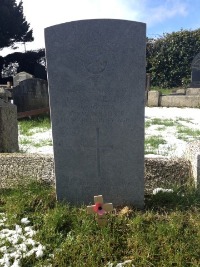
<point>17,243</point>
<point>184,117</point>
<point>41,142</point>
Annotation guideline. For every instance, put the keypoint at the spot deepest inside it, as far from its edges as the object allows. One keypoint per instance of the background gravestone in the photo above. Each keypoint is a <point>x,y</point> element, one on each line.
<point>195,75</point>
<point>31,94</point>
<point>96,72</point>
<point>21,76</point>
<point>8,124</point>
<point>5,94</point>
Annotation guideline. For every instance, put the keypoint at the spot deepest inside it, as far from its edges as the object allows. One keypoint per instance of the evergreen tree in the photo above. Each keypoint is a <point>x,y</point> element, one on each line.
<point>13,25</point>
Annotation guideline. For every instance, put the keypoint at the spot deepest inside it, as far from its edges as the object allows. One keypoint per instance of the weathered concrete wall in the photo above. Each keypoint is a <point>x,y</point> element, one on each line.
<point>158,172</point>
<point>193,155</point>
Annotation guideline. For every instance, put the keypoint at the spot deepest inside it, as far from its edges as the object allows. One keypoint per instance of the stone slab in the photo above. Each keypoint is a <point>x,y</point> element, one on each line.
<point>193,91</point>
<point>192,153</point>
<point>181,91</point>
<point>96,74</point>
<point>153,98</point>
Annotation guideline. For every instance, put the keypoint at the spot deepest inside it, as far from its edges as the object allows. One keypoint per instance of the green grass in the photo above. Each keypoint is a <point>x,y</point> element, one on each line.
<point>154,141</point>
<point>185,133</point>
<point>165,233</point>
<point>183,119</point>
<point>164,91</point>
<point>26,126</point>
<point>164,122</point>
<point>28,142</point>
<point>25,141</point>
<point>161,128</point>
<point>46,142</point>
<point>147,123</point>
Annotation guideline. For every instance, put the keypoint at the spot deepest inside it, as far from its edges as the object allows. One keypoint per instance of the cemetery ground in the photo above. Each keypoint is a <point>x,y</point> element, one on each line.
<point>167,132</point>
<point>36,230</point>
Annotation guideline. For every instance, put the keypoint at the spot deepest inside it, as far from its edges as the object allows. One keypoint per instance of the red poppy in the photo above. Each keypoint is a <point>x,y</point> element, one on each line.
<point>98,208</point>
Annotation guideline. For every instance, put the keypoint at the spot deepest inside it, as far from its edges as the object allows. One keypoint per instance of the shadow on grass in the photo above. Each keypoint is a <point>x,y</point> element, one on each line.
<point>42,196</point>
<point>180,199</point>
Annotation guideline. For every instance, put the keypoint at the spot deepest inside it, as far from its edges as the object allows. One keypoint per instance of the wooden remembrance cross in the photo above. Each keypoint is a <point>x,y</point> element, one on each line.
<point>100,209</point>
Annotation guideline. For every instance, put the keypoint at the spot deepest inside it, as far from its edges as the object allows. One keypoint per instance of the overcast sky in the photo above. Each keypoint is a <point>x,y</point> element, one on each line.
<point>161,16</point>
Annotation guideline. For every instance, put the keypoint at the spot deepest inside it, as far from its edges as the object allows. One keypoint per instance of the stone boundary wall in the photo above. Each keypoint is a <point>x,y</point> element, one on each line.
<point>182,98</point>
<point>159,172</point>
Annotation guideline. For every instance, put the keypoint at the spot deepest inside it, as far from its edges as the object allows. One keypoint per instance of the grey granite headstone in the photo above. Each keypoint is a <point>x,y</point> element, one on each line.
<point>195,75</point>
<point>31,94</point>
<point>96,73</point>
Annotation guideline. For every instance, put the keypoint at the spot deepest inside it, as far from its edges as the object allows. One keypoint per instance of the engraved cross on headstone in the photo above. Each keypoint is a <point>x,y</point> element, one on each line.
<point>98,151</point>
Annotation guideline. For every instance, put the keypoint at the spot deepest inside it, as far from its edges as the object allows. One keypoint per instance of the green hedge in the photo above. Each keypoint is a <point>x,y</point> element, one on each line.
<point>169,58</point>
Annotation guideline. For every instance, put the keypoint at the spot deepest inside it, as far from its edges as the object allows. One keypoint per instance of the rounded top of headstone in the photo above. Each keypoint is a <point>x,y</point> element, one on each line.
<point>106,20</point>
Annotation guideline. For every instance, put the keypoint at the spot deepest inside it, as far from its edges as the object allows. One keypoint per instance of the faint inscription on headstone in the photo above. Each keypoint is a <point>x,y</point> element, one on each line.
<point>97,109</point>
